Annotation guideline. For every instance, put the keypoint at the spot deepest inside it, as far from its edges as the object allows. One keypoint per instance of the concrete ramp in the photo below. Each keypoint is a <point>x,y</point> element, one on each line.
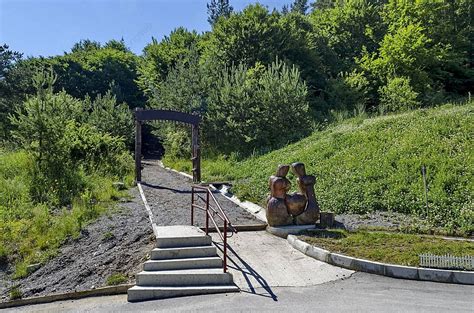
<point>260,262</point>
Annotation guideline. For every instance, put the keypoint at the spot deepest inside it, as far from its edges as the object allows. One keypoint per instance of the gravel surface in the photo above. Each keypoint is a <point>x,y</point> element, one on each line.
<point>378,219</point>
<point>169,196</point>
<point>117,242</point>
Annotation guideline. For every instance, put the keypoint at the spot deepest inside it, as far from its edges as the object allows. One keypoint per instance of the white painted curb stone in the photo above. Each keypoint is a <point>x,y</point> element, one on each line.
<point>391,270</point>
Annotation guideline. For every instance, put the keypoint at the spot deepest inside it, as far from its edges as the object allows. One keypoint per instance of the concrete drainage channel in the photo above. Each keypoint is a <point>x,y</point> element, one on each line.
<point>391,270</point>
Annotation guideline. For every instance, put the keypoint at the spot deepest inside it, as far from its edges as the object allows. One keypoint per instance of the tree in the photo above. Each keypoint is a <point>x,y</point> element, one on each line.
<point>160,57</point>
<point>299,6</point>
<point>85,45</point>
<point>256,109</point>
<point>346,31</point>
<point>14,86</point>
<point>218,8</point>
<point>92,69</point>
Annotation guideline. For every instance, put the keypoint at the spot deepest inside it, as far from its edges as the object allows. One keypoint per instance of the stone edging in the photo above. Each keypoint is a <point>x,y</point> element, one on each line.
<point>160,163</point>
<point>103,291</point>
<point>250,207</point>
<point>391,270</point>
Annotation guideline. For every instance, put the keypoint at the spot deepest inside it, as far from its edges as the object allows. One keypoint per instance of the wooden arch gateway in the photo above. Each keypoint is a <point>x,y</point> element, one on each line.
<point>142,116</point>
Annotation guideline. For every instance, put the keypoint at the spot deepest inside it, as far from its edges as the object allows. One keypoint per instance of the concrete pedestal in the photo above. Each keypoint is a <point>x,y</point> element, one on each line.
<point>284,231</point>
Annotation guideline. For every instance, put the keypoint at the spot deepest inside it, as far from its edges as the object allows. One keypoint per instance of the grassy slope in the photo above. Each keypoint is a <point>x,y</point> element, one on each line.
<point>370,164</point>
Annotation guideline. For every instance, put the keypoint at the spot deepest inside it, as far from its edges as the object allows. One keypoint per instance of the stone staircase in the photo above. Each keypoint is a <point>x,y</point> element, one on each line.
<point>184,263</point>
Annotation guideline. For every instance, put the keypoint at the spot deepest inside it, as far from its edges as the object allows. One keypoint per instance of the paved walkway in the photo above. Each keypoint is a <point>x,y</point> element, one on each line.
<point>260,261</point>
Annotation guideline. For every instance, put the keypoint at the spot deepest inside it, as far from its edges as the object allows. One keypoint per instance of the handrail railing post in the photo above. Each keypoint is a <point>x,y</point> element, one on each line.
<point>225,246</point>
<point>207,212</point>
<point>192,206</point>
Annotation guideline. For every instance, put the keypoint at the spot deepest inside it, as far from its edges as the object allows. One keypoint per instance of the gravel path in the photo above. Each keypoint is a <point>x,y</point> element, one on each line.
<point>169,196</point>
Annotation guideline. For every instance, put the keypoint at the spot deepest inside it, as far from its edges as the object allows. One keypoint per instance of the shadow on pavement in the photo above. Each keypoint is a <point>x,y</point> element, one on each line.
<point>246,270</point>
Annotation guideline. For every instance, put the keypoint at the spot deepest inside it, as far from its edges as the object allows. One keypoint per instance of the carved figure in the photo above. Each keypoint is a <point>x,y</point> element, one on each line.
<point>286,209</point>
<point>277,213</point>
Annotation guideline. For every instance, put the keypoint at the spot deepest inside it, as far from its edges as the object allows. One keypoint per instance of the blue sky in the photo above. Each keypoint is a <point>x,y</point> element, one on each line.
<point>50,27</point>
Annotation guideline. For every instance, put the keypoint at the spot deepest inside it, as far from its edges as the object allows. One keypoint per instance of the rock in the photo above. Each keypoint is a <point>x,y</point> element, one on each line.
<point>33,267</point>
<point>119,186</point>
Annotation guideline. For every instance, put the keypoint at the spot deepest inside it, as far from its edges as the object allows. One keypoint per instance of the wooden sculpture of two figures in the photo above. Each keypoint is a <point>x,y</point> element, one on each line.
<point>296,208</point>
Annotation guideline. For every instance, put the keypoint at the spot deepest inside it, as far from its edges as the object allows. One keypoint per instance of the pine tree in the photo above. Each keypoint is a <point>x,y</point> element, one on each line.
<point>218,8</point>
<point>299,6</point>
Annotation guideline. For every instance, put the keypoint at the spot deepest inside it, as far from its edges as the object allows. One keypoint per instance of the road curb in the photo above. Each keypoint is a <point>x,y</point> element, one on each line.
<point>391,270</point>
<point>103,291</point>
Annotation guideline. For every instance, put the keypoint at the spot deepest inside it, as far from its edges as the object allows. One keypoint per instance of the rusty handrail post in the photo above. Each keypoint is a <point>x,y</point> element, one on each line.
<point>207,212</point>
<point>225,246</point>
<point>192,205</point>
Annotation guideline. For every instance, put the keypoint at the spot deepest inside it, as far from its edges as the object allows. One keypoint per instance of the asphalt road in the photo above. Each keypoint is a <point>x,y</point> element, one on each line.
<point>359,293</point>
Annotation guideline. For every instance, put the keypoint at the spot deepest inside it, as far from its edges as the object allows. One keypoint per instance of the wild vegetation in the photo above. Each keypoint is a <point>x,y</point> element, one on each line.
<point>261,79</point>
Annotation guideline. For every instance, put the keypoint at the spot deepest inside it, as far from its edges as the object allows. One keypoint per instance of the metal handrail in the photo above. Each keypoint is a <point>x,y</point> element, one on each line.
<point>211,211</point>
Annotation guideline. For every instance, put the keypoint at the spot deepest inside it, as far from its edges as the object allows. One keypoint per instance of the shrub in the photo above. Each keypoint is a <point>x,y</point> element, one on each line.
<point>398,95</point>
<point>116,279</point>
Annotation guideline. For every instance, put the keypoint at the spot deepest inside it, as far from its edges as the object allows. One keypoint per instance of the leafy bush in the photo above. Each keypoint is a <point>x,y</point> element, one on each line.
<point>398,95</point>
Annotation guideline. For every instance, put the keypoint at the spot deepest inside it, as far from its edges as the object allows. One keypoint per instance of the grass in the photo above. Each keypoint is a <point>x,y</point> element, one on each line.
<point>15,293</point>
<point>116,279</point>
<point>32,232</point>
<point>394,248</point>
<point>367,164</point>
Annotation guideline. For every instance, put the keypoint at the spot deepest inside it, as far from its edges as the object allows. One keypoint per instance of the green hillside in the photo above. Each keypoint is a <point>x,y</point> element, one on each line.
<point>371,164</point>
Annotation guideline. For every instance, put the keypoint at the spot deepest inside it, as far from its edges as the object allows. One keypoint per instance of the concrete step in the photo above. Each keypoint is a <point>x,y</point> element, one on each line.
<point>189,277</point>
<point>141,293</point>
<point>183,252</point>
<point>189,263</point>
<point>181,236</point>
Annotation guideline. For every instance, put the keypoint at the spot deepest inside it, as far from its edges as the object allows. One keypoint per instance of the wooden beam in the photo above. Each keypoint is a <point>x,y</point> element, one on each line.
<point>148,115</point>
<point>138,151</point>
<point>196,154</point>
